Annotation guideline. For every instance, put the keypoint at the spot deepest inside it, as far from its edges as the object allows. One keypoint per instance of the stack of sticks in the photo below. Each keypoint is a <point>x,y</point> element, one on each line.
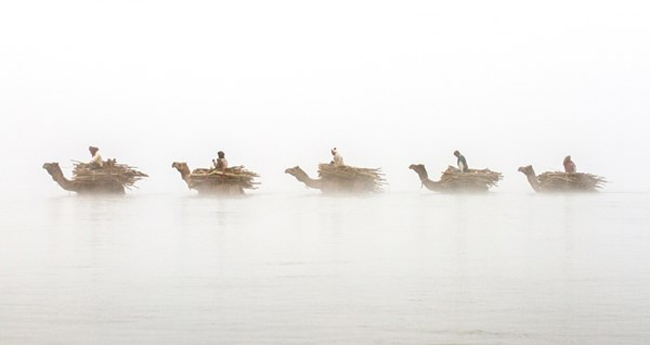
<point>110,172</point>
<point>368,176</point>
<point>235,176</point>
<point>480,178</point>
<point>578,181</point>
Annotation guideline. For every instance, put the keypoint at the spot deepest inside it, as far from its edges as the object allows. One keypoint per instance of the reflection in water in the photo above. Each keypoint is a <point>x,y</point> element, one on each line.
<point>403,268</point>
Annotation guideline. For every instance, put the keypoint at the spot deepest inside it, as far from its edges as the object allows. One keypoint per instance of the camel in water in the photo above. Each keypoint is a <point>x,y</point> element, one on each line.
<point>557,181</point>
<point>232,181</point>
<point>453,181</point>
<point>341,179</point>
<point>112,179</point>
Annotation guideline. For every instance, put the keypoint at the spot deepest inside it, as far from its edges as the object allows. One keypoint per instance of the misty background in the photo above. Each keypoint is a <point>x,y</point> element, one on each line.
<point>276,84</point>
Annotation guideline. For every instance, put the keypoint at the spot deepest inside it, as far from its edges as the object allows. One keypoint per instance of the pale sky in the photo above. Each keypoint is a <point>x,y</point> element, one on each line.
<point>278,83</point>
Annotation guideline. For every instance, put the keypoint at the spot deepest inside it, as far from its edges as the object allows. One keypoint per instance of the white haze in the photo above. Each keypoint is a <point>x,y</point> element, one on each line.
<point>277,83</point>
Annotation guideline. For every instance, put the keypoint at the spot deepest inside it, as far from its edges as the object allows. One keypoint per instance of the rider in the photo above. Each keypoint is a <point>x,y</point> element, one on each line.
<point>96,161</point>
<point>220,163</point>
<point>337,159</point>
<point>462,162</point>
<point>569,166</point>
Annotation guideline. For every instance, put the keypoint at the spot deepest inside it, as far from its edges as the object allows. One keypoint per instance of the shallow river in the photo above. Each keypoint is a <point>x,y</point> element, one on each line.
<point>503,268</point>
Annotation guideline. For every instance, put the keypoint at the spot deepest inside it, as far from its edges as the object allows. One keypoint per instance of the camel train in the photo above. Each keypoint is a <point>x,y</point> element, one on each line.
<point>109,177</point>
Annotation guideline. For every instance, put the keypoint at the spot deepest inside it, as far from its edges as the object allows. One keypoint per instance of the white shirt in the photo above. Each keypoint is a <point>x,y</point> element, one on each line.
<point>221,163</point>
<point>338,159</point>
<point>97,159</point>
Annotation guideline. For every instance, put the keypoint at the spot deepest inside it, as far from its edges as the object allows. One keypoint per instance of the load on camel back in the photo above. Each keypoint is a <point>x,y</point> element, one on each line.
<point>337,178</point>
<point>219,179</point>
<point>568,181</point>
<point>458,180</point>
<point>96,177</point>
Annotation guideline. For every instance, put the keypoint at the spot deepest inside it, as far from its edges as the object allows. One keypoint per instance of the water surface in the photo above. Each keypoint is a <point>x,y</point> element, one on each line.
<point>406,268</point>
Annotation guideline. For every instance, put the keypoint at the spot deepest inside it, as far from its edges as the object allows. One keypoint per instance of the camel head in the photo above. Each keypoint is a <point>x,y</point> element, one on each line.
<point>298,173</point>
<point>182,168</point>
<point>420,170</point>
<point>527,170</point>
<point>302,176</point>
<point>53,169</point>
<point>295,171</point>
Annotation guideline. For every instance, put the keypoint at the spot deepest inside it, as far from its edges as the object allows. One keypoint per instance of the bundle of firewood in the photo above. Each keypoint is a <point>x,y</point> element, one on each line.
<point>236,176</point>
<point>579,181</point>
<point>372,177</point>
<point>484,177</point>
<point>110,172</point>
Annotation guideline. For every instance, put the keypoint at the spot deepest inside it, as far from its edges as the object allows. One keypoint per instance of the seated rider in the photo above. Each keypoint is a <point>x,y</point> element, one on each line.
<point>337,159</point>
<point>462,162</point>
<point>220,163</point>
<point>569,166</point>
<point>96,162</point>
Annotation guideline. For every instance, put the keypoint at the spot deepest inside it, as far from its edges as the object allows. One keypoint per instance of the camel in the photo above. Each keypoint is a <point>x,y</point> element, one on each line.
<point>453,181</point>
<point>101,186</point>
<point>212,182</point>
<point>561,181</point>
<point>332,184</point>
